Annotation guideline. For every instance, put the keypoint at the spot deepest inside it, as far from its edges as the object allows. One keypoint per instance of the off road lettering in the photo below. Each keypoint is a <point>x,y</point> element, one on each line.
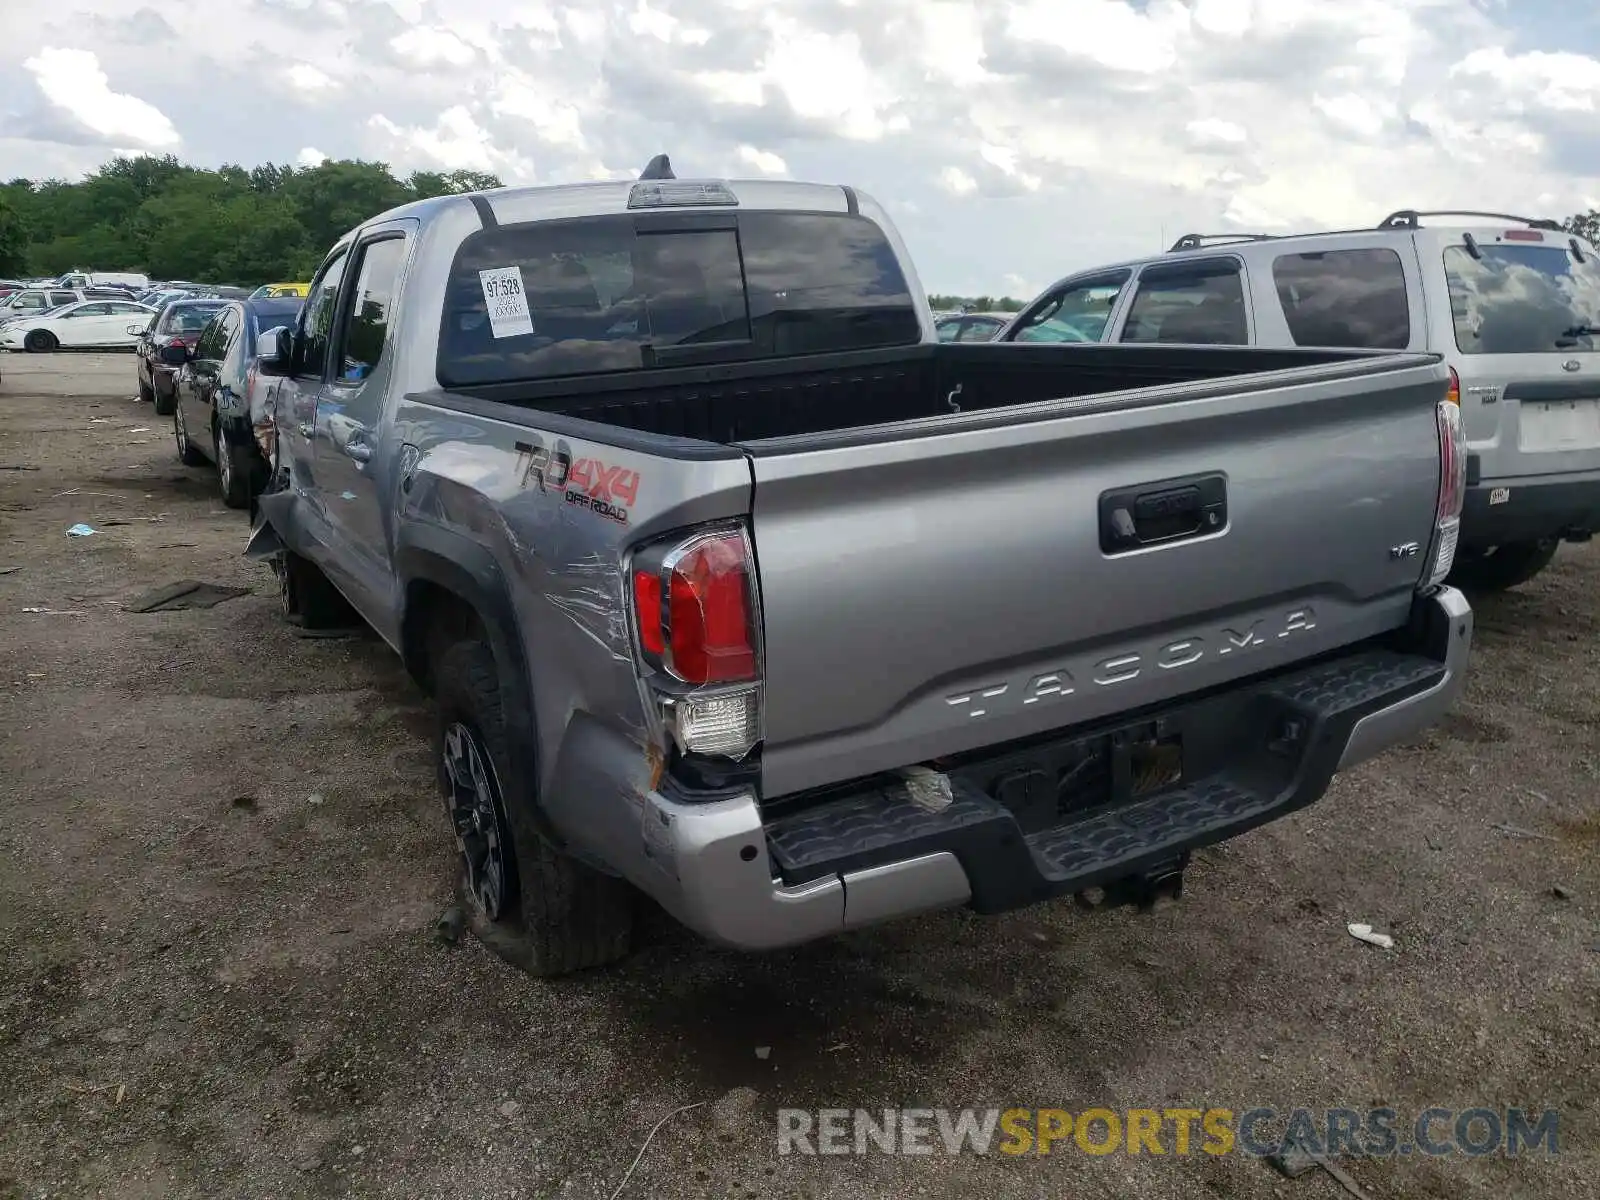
<point>604,482</point>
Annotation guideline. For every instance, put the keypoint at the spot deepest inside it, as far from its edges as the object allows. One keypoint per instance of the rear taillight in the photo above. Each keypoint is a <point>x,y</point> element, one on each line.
<point>1452,489</point>
<point>697,628</point>
<point>1452,394</point>
<point>177,341</point>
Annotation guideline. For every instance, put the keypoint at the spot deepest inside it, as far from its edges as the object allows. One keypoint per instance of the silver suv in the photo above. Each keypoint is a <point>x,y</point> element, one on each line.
<point>1511,303</point>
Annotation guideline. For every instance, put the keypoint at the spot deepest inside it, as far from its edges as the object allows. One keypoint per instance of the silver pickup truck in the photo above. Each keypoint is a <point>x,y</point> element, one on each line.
<point>733,586</point>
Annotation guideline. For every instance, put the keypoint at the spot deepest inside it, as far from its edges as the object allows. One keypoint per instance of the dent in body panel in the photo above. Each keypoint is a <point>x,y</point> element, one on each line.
<point>560,515</point>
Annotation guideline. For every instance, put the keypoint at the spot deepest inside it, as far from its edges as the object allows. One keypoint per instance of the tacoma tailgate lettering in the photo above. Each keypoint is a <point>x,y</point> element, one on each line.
<point>998,697</point>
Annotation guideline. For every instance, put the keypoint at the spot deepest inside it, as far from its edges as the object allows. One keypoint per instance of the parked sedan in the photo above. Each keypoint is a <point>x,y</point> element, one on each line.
<point>88,325</point>
<point>215,394</point>
<point>179,324</point>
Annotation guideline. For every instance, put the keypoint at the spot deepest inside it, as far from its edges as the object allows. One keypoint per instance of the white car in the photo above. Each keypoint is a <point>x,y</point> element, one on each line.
<point>89,324</point>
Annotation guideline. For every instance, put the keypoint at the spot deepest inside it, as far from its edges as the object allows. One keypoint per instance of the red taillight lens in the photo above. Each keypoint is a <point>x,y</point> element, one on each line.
<point>1453,393</point>
<point>177,341</point>
<point>711,636</point>
<point>647,608</point>
<point>696,613</point>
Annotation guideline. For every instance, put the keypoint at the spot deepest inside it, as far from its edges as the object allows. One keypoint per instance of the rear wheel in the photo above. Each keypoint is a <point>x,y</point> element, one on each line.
<point>40,341</point>
<point>188,455</point>
<point>1502,567</point>
<point>534,906</point>
<point>166,402</point>
<point>235,469</point>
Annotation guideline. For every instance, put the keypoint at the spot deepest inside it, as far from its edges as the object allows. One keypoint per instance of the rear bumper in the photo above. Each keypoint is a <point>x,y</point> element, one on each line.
<point>864,855</point>
<point>1530,509</point>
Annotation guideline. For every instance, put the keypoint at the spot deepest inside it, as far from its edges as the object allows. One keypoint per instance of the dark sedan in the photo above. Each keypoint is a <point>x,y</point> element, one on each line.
<point>178,324</point>
<point>212,420</point>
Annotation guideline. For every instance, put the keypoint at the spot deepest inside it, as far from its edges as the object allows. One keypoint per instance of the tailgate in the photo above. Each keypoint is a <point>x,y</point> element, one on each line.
<point>933,588</point>
<point>1532,414</point>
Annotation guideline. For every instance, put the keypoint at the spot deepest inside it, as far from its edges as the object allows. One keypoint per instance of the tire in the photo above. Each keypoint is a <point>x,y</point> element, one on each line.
<point>187,454</point>
<point>166,403</point>
<point>306,597</point>
<point>236,469</point>
<point>40,341</point>
<point>1502,567</point>
<point>146,392</point>
<point>537,908</point>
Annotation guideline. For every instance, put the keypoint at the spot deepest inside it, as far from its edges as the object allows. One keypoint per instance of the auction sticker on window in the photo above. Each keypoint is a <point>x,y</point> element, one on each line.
<point>508,303</point>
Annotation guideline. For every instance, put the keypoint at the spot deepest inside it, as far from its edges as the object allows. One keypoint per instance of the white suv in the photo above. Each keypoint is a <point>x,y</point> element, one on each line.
<point>1512,304</point>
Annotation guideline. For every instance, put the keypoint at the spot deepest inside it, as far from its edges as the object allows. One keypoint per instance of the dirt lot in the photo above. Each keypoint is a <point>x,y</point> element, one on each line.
<point>221,861</point>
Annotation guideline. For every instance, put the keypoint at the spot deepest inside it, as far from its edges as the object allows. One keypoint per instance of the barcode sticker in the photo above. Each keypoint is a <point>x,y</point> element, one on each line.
<point>508,303</point>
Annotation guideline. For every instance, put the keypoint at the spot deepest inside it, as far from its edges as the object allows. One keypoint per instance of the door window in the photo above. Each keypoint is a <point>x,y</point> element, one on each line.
<point>90,310</point>
<point>214,340</point>
<point>316,323</point>
<point>368,324</point>
<point>1077,313</point>
<point>1189,304</point>
<point>1344,298</point>
<point>58,298</point>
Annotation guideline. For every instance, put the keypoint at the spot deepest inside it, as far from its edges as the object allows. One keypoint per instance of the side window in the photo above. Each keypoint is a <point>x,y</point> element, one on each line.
<point>1078,313</point>
<point>1344,298</point>
<point>316,322</point>
<point>91,310</point>
<point>1192,304</point>
<point>57,298</point>
<point>368,325</point>
<point>214,340</point>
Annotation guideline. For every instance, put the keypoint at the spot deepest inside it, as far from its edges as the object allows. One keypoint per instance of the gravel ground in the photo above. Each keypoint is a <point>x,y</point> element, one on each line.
<point>221,861</point>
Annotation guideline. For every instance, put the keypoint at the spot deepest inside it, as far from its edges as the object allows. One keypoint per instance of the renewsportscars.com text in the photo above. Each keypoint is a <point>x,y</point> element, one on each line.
<point>1374,1132</point>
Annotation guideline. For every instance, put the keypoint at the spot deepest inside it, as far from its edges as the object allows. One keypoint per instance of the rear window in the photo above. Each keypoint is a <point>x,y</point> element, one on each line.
<point>610,294</point>
<point>1520,299</point>
<point>188,318</point>
<point>1351,298</point>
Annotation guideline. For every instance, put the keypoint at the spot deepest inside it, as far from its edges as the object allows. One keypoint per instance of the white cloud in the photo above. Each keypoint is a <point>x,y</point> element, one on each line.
<point>957,182</point>
<point>1025,138</point>
<point>764,161</point>
<point>310,156</point>
<point>1214,131</point>
<point>430,46</point>
<point>454,142</point>
<point>311,79</point>
<point>73,81</point>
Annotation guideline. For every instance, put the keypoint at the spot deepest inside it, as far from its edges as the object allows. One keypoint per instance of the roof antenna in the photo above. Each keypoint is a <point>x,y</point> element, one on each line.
<point>659,167</point>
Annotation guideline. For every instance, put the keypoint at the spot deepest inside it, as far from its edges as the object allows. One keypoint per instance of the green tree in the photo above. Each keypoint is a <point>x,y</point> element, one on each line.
<point>11,237</point>
<point>425,184</point>
<point>337,196</point>
<point>1585,225</point>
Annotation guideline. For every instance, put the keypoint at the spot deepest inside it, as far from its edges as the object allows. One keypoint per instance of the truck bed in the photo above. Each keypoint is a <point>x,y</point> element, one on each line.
<point>748,402</point>
<point>935,581</point>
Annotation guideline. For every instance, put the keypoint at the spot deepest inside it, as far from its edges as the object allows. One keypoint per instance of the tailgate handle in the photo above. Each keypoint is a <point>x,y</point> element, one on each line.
<point>1169,510</point>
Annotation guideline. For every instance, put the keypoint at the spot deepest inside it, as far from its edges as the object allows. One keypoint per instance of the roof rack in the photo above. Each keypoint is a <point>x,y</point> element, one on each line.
<point>1410,218</point>
<point>1195,241</point>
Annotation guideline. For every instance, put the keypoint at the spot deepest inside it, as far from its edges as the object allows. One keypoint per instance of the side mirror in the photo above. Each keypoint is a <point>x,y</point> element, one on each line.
<point>175,356</point>
<point>273,350</point>
<point>136,330</point>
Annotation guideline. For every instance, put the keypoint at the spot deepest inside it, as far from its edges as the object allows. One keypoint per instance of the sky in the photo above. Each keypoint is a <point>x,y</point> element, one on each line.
<point>1012,141</point>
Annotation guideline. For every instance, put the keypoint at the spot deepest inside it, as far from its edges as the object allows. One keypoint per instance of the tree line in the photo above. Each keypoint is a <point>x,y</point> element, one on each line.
<point>229,226</point>
<point>266,224</point>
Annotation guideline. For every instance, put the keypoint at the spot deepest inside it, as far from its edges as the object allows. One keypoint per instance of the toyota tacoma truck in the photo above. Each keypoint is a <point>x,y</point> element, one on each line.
<point>733,586</point>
